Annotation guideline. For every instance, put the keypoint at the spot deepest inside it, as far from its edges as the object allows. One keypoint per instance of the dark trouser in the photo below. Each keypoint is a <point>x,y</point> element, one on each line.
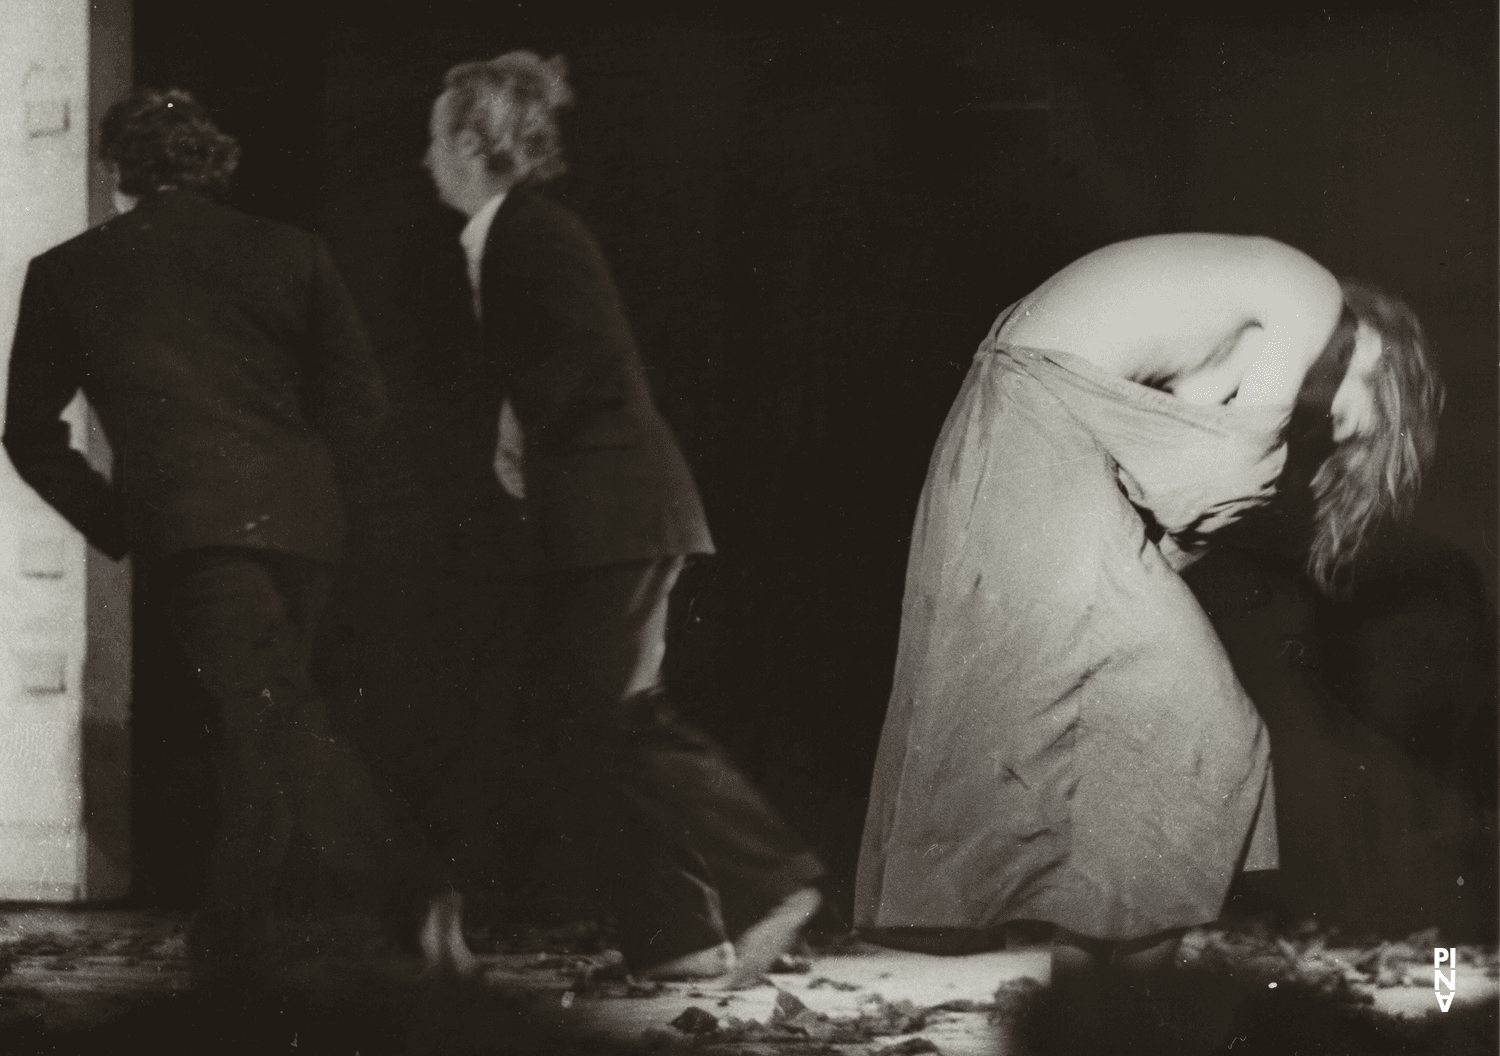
<point>674,826</point>
<point>244,620</point>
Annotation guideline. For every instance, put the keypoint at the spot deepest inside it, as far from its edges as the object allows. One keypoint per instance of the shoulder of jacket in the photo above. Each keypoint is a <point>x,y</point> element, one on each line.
<point>84,242</point>
<point>276,229</point>
<point>228,216</point>
<point>280,240</point>
<point>536,211</point>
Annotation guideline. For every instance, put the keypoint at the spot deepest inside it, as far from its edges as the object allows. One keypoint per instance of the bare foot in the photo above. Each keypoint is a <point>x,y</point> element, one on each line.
<point>703,964</point>
<point>1077,956</point>
<point>445,954</point>
<point>772,935</point>
<point>1151,955</point>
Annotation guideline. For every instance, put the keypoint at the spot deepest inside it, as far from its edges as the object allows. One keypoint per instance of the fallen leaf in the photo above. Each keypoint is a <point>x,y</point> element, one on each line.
<point>696,1021</point>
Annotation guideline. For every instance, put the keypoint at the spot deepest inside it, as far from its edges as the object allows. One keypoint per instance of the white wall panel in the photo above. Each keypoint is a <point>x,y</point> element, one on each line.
<point>45,183</point>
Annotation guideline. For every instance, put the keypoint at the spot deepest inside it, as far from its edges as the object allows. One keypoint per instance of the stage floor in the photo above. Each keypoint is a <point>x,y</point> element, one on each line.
<point>86,980</point>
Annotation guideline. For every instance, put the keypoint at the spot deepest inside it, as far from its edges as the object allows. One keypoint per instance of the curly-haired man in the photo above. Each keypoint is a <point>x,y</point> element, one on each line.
<point>230,371</point>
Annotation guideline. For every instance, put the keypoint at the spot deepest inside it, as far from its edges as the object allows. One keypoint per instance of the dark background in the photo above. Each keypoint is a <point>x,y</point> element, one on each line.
<point>813,219</point>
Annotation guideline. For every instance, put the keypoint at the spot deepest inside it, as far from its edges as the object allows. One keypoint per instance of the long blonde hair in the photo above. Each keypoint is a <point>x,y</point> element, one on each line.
<point>1373,478</point>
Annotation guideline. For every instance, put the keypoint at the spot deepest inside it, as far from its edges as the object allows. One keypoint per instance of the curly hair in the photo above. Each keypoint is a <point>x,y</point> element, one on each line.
<point>1373,478</point>
<point>511,104</point>
<point>164,140</point>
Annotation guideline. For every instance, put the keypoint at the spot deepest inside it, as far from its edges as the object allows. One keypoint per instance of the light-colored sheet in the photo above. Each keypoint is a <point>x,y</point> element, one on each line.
<point>1065,739</point>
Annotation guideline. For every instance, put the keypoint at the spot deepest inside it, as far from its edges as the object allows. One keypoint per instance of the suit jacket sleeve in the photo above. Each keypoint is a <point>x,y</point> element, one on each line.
<point>46,371</point>
<point>568,355</point>
<point>345,394</point>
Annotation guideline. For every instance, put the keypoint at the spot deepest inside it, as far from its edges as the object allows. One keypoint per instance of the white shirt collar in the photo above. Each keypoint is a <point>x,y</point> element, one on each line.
<point>475,233</point>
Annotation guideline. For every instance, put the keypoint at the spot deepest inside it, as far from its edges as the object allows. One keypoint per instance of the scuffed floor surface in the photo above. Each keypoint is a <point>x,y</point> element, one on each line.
<point>88,981</point>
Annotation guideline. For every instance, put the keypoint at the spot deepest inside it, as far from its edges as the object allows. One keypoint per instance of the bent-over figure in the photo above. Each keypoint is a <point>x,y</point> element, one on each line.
<point>1066,741</point>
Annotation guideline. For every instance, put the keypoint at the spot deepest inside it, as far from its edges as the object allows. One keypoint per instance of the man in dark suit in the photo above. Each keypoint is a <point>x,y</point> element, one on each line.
<point>232,377</point>
<point>615,513</point>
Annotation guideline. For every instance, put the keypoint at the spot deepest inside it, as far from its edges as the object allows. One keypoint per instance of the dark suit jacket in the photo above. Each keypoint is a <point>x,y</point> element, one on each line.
<point>226,362</point>
<point>605,480</point>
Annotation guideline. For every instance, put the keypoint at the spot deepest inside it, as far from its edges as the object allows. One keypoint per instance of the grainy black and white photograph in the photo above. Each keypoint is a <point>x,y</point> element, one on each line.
<point>775,529</point>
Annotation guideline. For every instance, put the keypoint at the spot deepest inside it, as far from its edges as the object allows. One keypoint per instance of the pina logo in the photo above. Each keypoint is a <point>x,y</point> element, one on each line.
<point>1439,980</point>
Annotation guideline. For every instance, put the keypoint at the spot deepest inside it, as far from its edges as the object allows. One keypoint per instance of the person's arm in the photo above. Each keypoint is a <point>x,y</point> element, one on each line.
<point>1199,315</point>
<point>345,398</point>
<point>509,462</point>
<point>45,372</point>
<point>1178,555</point>
<point>568,355</point>
<point>1296,304</point>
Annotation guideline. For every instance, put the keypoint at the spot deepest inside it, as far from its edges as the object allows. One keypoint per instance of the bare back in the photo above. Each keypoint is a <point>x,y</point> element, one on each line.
<point>1208,317</point>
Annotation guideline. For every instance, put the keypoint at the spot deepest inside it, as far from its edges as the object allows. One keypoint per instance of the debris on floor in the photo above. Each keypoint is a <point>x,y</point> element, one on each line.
<point>82,970</point>
<point>793,1022</point>
<point>1326,962</point>
<point>907,1047</point>
<point>822,981</point>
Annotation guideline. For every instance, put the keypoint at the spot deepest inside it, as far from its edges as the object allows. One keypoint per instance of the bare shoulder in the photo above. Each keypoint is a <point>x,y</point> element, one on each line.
<point>1276,276</point>
<point>1192,268</point>
<point>1164,306</point>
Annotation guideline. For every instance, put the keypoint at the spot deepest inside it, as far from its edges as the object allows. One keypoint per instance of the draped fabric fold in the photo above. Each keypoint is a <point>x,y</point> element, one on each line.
<point>1065,739</point>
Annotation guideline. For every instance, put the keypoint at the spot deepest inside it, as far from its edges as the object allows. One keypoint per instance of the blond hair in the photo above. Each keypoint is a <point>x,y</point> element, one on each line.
<point>1373,478</point>
<point>511,102</point>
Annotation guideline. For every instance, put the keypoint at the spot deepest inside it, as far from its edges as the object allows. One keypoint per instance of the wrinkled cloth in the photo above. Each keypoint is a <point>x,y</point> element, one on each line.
<point>1066,740</point>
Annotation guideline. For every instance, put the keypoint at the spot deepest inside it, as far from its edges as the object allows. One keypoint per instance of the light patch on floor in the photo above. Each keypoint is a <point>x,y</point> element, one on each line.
<point>70,969</point>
